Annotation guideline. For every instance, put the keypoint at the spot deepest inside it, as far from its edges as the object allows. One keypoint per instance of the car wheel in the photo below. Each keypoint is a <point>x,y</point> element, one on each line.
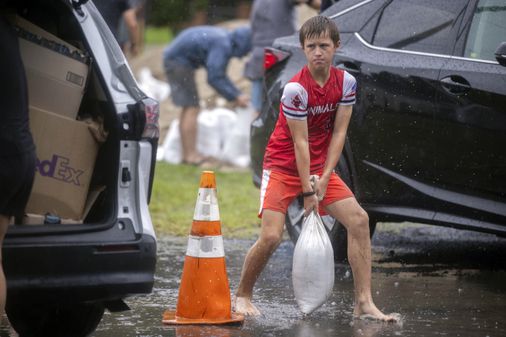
<point>57,320</point>
<point>336,231</point>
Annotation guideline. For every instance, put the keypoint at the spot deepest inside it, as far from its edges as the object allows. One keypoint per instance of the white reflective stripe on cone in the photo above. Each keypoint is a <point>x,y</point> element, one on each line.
<point>205,246</point>
<point>206,208</point>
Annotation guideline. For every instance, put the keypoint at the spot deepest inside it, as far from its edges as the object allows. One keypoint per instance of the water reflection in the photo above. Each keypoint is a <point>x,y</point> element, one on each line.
<point>358,329</point>
<point>364,328</point>
<point>207,331</point>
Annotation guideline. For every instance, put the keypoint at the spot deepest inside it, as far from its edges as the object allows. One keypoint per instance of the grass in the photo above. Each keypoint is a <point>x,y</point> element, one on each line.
<point>158,35</point>
<point>175,191</point>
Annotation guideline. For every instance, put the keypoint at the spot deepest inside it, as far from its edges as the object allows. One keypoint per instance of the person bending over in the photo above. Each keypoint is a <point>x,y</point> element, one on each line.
<point>212,48</point>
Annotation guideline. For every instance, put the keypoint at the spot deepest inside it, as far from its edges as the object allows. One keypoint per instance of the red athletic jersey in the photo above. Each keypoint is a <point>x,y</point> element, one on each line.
<point>304,99</point>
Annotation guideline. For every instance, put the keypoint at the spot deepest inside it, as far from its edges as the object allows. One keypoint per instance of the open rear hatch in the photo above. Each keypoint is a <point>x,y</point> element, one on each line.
<point>72,121</point>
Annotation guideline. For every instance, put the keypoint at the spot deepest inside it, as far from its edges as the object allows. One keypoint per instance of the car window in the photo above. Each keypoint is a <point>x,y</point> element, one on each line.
<point>350,21</point>
<point>417,25</point>
<point>488,30</point>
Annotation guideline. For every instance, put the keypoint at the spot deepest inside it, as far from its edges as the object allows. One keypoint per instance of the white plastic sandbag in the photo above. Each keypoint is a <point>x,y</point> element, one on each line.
<point>212,132</point>
<point>313,265</point>
<point>236,147</point>
<point>152,86</point>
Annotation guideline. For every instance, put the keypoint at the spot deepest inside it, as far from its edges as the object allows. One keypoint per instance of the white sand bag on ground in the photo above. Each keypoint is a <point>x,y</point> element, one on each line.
<point>152,86</point>
<point>208,136</point>
<point>313,265</point>
<point>170,151</point>
<point>214,128</point>
<point>236,149</point>
<point>227,122</point>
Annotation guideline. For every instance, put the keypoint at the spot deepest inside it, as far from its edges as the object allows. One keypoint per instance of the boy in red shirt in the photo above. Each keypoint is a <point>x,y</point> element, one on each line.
<point>308,139</point>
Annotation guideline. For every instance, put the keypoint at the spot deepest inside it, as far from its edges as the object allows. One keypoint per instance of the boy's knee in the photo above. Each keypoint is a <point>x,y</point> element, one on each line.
<point>360,223</point>
<point>363,218</point>
<point>272,240</point>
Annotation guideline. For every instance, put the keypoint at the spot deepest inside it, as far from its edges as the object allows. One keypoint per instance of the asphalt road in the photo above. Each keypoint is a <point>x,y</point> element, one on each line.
<point>443,282</point>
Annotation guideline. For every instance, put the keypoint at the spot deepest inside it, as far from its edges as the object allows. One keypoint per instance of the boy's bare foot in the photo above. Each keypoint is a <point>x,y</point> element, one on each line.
<point>244,306</point>
<point>369,311</point>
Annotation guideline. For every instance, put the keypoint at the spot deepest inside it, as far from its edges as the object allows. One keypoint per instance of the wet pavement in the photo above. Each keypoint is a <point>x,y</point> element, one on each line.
<point>444,282</point>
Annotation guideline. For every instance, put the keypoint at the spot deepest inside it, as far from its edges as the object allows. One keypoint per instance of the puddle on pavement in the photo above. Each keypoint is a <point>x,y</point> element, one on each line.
<point>434,298</point>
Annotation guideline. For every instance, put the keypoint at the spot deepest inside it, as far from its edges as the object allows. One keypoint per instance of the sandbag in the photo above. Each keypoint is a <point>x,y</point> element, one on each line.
<point>213,129</point>
<point>313,265</point>
<point>170,151</point>
<point>236,149</point>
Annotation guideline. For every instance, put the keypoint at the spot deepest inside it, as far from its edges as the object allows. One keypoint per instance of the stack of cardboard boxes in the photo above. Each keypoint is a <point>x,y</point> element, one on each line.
<point>66,149</point>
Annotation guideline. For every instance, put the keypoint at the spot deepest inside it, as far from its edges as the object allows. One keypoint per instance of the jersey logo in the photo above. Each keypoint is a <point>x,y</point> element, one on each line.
<point>321,109</point>
<point>296,101</point>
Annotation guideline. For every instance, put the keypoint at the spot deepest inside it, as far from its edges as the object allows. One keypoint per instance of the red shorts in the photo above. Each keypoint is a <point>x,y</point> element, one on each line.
<point>279,189</point>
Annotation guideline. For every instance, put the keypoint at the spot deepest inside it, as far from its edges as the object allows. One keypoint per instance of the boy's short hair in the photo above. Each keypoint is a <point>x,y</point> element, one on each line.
<point>316,26</point>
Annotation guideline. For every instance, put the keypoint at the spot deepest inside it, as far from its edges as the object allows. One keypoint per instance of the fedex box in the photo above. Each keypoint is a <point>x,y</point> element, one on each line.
<point>66,154</point>
<point>56,71</point>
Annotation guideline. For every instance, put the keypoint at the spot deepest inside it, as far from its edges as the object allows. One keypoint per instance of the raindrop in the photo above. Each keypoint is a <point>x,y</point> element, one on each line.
<point>396,284</point>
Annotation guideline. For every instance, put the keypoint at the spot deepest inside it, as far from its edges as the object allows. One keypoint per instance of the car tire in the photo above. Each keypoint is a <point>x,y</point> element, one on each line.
<point>57,320</point>
<point>336,231</point>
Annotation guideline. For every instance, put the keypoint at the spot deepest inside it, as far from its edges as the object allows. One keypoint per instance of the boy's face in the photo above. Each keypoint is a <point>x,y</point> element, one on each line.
<point>319,51</point>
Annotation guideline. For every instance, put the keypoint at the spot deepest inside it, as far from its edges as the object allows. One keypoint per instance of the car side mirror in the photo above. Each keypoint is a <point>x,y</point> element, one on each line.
<point>500,54</point>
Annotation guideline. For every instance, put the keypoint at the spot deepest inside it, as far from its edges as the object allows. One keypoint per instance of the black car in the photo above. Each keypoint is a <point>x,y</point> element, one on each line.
<point>427,138</point>
<point>63,274</point>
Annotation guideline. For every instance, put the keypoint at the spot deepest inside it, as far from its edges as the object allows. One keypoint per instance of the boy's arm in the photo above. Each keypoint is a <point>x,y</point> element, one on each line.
<point>343,116</point>
<point>336,146</point>
<point>298,129</point>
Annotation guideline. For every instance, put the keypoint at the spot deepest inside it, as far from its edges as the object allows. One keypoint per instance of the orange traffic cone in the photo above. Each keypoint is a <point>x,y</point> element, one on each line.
<point>204,293</point>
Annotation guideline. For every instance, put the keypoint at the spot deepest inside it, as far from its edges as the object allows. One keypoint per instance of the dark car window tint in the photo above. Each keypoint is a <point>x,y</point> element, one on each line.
<point>418,25</point>
<point>488,29</point>
<point>353,20</point>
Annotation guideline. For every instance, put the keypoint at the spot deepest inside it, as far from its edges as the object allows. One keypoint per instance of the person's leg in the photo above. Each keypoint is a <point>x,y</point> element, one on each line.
<point>4,224</point>
<point>188,129</point>
<point>356,221</point>
<point>184,94</point>
<point>271,234</point>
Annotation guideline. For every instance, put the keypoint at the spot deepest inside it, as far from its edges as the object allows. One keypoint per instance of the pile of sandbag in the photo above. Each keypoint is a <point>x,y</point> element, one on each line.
<point>221,133</point>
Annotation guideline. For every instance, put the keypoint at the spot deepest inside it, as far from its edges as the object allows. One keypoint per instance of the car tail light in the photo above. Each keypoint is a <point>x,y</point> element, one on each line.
<point>273,56</point>
<point>152,112</point>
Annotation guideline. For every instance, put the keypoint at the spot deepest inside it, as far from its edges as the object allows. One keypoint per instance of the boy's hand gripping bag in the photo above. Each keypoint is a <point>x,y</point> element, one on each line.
<point>313,265</point>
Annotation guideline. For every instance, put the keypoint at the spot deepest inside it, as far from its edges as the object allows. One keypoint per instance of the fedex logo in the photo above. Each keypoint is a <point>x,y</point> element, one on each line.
<point>58,168</point>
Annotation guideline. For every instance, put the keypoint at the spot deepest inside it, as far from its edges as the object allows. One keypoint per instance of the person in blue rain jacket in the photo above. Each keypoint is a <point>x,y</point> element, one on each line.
<point>212,48</point>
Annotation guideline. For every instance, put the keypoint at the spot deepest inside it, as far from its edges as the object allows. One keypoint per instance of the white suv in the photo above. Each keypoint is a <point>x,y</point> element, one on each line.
<point>62,274</point>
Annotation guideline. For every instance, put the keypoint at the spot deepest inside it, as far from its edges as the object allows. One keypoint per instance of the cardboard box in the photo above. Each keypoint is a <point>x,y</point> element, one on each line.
<point>38,219</point>
<point>66,154</point>
<point>56,71</point>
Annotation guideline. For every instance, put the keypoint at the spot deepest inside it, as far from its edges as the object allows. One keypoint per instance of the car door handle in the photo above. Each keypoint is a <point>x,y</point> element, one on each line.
<point>348,66</point>
<point>455,84</point>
